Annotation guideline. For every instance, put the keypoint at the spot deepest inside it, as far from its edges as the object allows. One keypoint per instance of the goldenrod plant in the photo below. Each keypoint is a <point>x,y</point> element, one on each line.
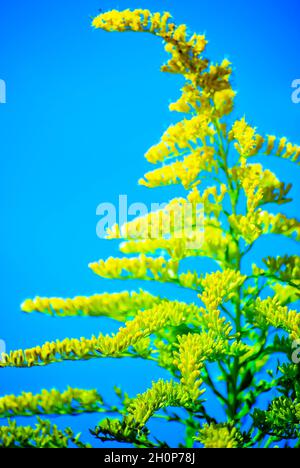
<point>220,349</point>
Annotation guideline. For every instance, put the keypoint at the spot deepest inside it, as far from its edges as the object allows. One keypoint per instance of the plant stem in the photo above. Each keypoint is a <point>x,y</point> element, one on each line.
<point>233,378</point>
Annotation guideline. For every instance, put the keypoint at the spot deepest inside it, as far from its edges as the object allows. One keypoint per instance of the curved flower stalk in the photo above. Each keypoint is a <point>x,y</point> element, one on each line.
<point>224,341</point>
<point>140,409</point>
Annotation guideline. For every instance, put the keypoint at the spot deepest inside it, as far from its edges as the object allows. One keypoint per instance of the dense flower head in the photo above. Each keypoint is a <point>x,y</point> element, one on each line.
<point>220,436</point>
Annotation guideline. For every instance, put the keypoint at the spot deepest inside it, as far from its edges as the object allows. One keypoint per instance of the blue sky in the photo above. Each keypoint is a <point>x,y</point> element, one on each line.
<point>83,106</point>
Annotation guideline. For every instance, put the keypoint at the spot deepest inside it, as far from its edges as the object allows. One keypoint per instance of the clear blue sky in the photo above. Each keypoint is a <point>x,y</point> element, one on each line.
<point>82,108</point>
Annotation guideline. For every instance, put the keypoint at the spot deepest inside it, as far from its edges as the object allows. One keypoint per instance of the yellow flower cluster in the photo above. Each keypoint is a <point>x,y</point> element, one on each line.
<point>183,60</point>
<point>154,225</point>
<point>146,268</point>
<point>50,352</point>
<point>142,267</point>
<point>210,242</point>
<point>284,149</point>
<point>161,395</point>
<point>260,186</point>
<point>209,198</point>
<point>220,286</point>
<point>190,100</point>
<point>181,137</point>
<point>255,174</point>
<point>43,435</point>
<point>180,218</point>
<point>185,172</point>
<point>269,312</point>
<point>254,224</point>
<point>142,347</point>
<point>281,224</point>
<point>190,280</point>
<point>115,305</point>
<point>72,401</point>
<point>248,143</point>
<point>179,337</point>
<point>284,269</point>
<point>185,52</point>
<point>145,323</point>
<point>286,294</point>
<point>197,235</point>
<point>216,79</point>
<point>219,436</point>
<point>208,90</point>
<point>186,60</point>
<point>281,419</point>
<point>144,21</point>
<point>248,227</point>
<point>176,248</point>
<point>213,244</point>
<point>127,20</point>
<point>193,350</point>
<point>223,101</point>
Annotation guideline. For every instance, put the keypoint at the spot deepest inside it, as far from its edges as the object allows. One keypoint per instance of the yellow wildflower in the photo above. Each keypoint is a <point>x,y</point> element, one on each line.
<point>219,436</point>
<point>185,172</point>
<point>72,401</point>
<point>116,305</point>
<point>180,137</point>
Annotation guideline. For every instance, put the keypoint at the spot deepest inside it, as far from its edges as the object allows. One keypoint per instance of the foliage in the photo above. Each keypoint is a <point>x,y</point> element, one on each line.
<point>242,317</point>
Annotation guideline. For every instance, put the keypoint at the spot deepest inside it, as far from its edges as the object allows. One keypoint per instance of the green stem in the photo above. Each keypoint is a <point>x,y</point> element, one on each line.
<point>233,388</point>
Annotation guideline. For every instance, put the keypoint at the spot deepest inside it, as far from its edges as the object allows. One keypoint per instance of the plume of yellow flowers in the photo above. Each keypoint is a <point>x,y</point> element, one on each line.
<point>228,325</point>
<point>185,172</point>
<point>220,436</point>
<point>72,401</point>
<point>141,267</point>
<point>180,138</point>
<point>248,143</point>
<point>193,350</point>
<point>269,312</point>
<point>116,305</point>
<point>43,435</point>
